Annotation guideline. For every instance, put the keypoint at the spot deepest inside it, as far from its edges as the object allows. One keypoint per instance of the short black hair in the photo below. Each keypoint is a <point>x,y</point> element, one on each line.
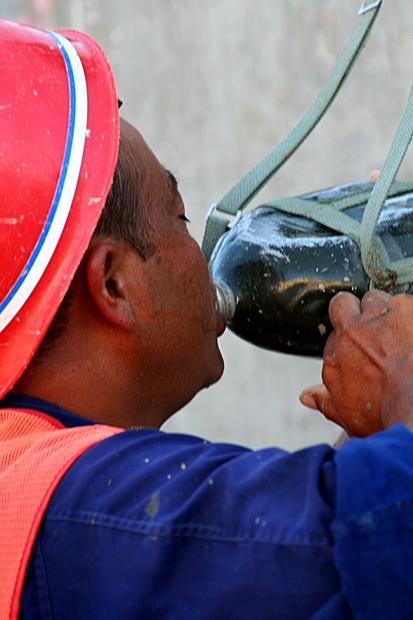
<point>126,213</point>
<point>125,216</point>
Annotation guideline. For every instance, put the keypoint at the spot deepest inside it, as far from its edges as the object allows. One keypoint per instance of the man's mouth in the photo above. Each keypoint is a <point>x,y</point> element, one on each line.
<point>221,324</point>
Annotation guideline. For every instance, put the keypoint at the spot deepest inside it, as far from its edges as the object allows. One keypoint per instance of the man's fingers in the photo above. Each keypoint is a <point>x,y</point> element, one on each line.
<point>375,300</point>
<point>343,309</point>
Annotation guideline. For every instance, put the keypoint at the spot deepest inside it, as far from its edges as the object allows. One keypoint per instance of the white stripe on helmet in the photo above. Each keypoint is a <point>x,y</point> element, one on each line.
<point>65,189</point>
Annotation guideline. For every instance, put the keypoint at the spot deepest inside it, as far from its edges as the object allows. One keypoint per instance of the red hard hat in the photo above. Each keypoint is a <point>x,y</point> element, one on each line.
<point>58,147</point>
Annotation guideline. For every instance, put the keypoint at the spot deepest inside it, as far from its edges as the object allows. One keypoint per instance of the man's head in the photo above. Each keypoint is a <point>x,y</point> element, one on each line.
<point>136,336</point>
<point>140,338</point>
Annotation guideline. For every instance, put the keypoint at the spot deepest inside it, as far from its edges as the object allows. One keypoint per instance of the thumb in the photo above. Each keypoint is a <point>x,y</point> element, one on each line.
<point>318,397</point>
<point>307,396</point>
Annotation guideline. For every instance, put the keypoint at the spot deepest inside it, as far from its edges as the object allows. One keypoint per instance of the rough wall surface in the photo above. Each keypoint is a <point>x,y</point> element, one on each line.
<point>214,86</point>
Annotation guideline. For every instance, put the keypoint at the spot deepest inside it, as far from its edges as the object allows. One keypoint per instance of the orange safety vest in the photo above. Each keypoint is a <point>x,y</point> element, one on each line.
<point>35,452</point>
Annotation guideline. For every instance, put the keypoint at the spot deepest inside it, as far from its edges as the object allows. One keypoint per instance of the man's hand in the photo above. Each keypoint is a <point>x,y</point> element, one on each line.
<point>368,364</point>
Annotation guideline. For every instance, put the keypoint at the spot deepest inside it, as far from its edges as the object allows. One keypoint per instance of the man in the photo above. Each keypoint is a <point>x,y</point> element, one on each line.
<point>142,524</point>
<point>155,288</point>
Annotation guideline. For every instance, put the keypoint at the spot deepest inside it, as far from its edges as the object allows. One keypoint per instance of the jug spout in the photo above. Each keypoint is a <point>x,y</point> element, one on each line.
<point>225,300</point>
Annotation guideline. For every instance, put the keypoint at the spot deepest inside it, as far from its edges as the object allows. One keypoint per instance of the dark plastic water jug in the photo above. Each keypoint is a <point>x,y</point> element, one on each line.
<point>276,273</point>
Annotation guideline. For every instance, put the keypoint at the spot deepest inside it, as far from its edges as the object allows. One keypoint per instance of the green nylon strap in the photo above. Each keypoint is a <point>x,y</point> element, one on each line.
<point>244,191</point>
<point>383,272</point>
<point>330,214</point>
<point>376,262</point>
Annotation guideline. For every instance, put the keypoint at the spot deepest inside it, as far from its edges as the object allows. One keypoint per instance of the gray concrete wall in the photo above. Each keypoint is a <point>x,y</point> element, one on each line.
<point>214,86</point>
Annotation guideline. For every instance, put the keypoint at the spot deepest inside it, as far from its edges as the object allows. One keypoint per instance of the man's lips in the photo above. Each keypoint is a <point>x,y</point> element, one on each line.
<point>221,324</point>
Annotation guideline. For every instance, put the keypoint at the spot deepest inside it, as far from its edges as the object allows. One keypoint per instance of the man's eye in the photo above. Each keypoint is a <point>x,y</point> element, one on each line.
<point>184,219</point>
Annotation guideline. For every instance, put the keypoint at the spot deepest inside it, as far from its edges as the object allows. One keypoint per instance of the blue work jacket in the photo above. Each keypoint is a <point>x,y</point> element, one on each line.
<point>150,525</point>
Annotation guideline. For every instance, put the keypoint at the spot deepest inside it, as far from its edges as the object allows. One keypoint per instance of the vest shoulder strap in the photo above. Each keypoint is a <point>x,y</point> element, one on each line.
<point>35,453</point>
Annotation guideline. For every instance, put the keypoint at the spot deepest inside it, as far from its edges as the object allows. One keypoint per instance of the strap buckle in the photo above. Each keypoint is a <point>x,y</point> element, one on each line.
<point>230,224</point>
<point>368,6</point>
<point>216,227</point>
<point>211,210</point>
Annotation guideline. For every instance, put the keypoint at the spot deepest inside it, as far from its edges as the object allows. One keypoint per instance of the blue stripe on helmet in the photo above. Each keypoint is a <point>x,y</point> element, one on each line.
<point>60,184</point>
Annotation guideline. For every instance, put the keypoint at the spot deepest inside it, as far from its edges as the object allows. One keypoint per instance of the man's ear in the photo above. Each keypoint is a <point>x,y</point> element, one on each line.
<point>108,283</point>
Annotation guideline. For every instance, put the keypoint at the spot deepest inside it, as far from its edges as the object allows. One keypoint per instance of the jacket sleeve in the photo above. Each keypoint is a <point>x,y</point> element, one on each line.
<point>156,525</point>
<point>373,527</point>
